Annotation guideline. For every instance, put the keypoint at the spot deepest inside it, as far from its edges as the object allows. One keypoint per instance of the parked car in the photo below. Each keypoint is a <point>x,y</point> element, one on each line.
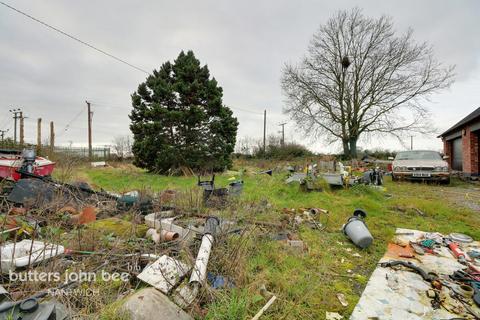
<point>420,165</point>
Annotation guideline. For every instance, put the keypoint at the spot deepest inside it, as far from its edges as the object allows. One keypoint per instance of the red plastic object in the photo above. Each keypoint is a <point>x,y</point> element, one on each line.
<point>10,164</point>
<point>457,252</point>
<point>389,167</point>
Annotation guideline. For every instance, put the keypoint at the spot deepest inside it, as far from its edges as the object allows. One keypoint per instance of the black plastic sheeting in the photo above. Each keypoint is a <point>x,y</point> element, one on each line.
<point>32,192</point>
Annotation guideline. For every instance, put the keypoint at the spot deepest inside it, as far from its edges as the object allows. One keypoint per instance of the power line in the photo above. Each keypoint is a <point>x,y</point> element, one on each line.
<point>129,107</point>
<point>245,110</point>
<point>17,114</point>
<point>82,128</point>
<point>4,123</point>
<point>115,106</point>
<point>9,127</point>
<point>110,106</point>
<point>67,126</point>
<point>74,38</point>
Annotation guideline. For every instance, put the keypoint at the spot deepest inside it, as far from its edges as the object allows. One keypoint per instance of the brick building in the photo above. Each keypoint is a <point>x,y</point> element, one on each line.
<point>461,145</point>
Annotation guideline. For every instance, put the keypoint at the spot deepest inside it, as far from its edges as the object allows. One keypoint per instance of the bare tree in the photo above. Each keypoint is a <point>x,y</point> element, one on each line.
<point>245,145</point>
<point>122,146</point>
<point>360,78</point>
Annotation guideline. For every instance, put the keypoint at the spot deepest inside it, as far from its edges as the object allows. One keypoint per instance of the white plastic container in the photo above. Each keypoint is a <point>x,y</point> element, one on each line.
<point>18,255</point>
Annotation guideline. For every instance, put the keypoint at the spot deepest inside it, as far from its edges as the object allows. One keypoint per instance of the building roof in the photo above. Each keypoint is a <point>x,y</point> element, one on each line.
<point>472,116</point>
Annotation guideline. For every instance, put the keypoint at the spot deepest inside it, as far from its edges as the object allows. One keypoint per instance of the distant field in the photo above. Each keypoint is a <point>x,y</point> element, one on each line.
<point>307,284</point>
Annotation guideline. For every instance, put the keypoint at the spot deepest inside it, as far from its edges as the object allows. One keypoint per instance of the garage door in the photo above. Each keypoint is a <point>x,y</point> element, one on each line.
<point>457,154</point>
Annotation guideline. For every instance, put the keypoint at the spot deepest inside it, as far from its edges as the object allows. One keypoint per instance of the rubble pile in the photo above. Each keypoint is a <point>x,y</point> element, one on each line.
<point>69,251</point>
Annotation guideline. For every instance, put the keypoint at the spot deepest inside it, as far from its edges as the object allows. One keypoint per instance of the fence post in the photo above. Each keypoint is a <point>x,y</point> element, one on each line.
<point>52,138</point>
<point>39,135</point>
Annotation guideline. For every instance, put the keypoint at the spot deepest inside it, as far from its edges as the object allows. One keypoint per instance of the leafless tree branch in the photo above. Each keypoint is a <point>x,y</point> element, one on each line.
<point>389,75</point>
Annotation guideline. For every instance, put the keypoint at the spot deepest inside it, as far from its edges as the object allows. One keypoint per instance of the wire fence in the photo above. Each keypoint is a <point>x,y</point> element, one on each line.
<point>82,152</point>
<point>98,153</point>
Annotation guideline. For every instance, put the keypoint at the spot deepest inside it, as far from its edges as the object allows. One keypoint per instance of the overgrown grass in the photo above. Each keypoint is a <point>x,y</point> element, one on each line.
<point>307,284</point>
<point>232,305</point>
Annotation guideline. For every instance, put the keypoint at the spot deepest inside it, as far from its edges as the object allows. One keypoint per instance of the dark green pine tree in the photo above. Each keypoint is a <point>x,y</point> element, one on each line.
<point>179,120</point>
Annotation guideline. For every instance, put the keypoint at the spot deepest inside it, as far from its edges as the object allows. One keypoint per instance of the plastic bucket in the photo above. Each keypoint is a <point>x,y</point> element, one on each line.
<point>236,188</point>
<point>357,231</point>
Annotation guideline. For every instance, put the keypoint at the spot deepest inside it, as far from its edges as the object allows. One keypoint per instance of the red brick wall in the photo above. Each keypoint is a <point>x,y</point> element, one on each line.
<point>470,151</point>
<point>470,147</point>
<point>474,156</point>
<point>447,150</point>
<point>467,155</point>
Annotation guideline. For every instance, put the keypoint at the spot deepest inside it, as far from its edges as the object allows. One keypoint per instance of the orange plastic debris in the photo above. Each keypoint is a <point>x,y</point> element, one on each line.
<point>395,251</point>
<point>87,215</point>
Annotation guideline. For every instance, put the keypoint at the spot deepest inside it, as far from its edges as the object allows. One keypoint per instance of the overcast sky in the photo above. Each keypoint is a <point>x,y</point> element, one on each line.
<point>244,43</point>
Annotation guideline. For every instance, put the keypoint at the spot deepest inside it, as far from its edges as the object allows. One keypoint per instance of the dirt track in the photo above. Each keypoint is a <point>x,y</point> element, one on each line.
<point>465,197</point>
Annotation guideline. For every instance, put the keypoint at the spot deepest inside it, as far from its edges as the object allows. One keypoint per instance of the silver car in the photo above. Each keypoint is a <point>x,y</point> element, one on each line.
<point>420,165</point>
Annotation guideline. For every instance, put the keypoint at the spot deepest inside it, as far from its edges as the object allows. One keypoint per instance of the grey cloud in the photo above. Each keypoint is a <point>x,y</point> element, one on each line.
<point>244,43</point>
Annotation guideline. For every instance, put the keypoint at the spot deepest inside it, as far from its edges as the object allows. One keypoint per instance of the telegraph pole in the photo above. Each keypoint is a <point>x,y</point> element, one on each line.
<point>411,142</point>
<point>39,135</point>
<point>90,113</point>
<point>2,134</point>
<point>52,138</point>
<point>22,129</point>
<point>282,142</point>
<point>17,114</point>
<point>264,131</point>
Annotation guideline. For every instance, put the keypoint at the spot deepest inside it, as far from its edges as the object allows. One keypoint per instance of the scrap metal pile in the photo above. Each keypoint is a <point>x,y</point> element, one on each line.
<point>342,177</point>
<point>424,276</point>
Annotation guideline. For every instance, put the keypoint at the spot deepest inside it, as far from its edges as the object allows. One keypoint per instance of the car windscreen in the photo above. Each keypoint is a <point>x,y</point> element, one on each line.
<point>418,155</point>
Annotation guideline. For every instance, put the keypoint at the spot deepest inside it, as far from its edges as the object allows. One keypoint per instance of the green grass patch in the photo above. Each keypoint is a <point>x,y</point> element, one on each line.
<point>306,284</point>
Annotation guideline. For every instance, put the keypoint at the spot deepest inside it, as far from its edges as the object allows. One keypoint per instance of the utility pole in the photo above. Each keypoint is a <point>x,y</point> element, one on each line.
<point>90,113</point>
<point>411,142</point>
<point>52,138</point>
<point>264,131</point>
<point>2,133</point>
<point>16,115</point>
<point>22,128</point>
<point>282,142</point>
<point>39,135</point>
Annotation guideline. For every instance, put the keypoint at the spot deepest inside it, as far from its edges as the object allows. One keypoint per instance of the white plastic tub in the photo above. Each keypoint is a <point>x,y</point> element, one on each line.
<point>18,255</point>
